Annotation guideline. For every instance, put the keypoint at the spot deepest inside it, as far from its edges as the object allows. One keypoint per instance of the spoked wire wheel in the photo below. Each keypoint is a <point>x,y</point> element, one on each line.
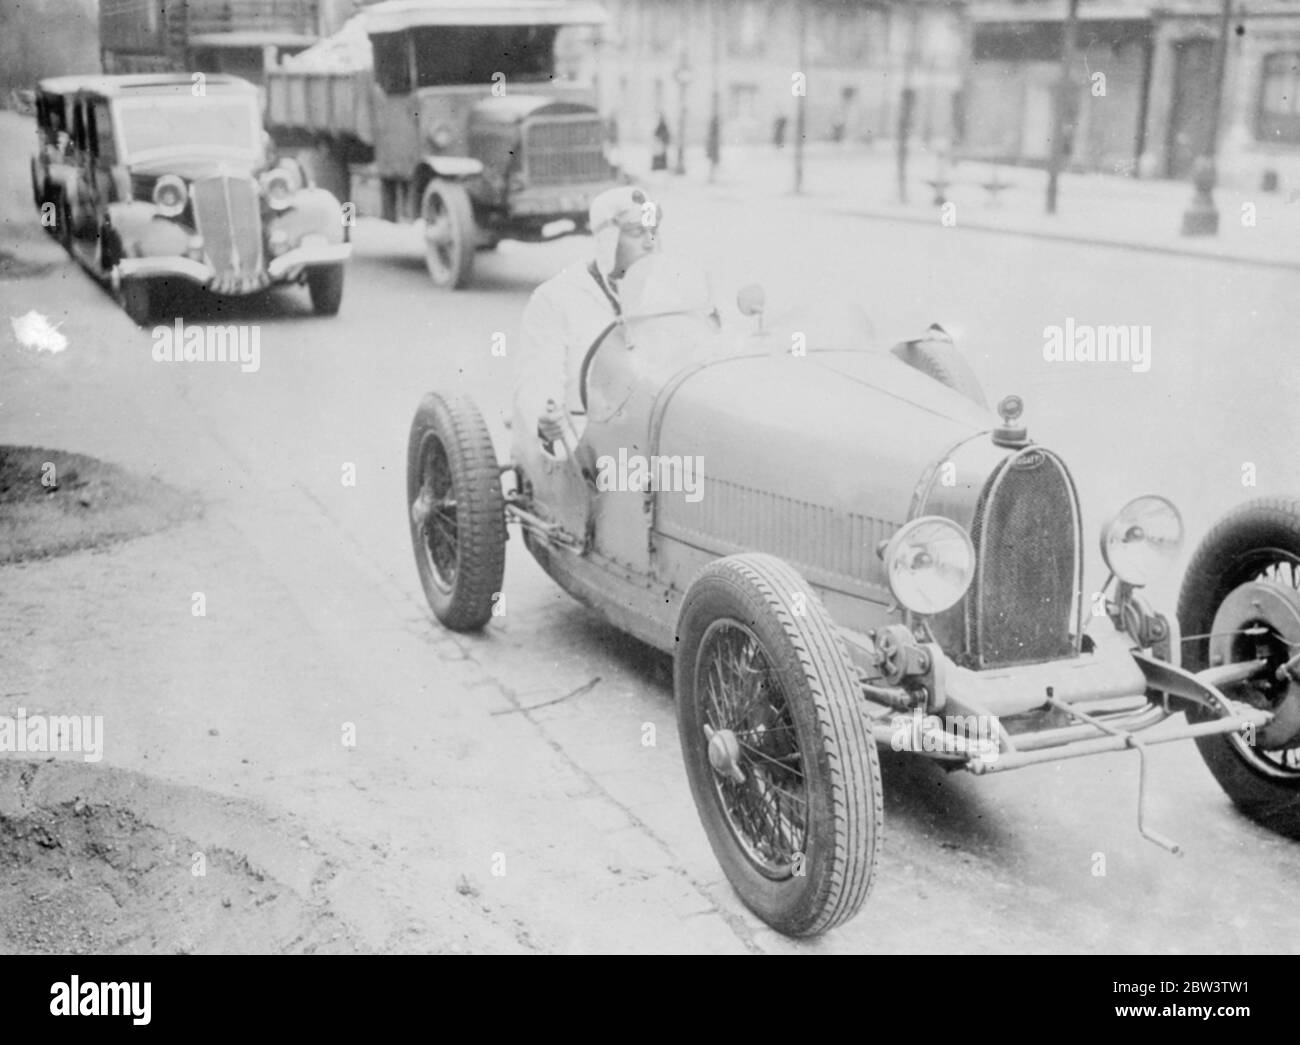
<point>753,749</point>
<point>456,511</point>
<point>1261,638</point>
<point>1257,544</point>
<point>437,504</point>
<point>782,765</point>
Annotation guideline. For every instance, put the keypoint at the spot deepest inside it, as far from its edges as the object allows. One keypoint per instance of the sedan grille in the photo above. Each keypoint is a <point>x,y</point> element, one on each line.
<point>228,216</point>
<point>1024,602</point>
<point>564,150</point>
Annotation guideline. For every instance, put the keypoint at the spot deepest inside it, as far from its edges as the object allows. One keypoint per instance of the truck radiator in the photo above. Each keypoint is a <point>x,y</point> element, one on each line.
<point>564,150</point>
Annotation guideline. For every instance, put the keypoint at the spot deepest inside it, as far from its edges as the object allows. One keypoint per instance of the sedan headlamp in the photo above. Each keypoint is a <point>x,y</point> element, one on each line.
<point>278,187</point>
<point>170,195</point>
<point>1143,540</point>
<point>930,564</point>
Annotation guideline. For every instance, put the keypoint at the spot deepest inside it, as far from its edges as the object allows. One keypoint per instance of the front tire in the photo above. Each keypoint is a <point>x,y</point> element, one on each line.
<point>456,511</point>
<point>450,234</point>
<point>781,762</point>
<point>325,285</point>
<point>1259,541</point>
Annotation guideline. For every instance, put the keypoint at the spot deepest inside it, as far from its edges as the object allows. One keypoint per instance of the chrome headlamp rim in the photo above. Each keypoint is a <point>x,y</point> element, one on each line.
<point>170,210</point>
<point>939,526</point>
<point>1129,529</point>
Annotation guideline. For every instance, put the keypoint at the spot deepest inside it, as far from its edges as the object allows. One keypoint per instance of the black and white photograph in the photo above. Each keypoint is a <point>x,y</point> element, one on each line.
<point>651,477</point>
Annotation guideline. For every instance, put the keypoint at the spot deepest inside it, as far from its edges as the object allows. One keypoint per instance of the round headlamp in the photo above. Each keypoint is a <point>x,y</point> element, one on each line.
<point>441,137</point>
<point>170,195</point>
<point>278,187</point>
<point>930,563</point>
<point>1143,540</point>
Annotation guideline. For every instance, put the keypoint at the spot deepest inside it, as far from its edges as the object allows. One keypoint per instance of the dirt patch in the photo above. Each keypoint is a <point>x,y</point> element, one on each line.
<point>81,875</point>
<point>53,502</point>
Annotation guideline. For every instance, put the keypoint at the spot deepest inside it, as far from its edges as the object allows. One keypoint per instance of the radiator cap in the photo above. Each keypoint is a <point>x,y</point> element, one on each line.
<point>1010,432</point>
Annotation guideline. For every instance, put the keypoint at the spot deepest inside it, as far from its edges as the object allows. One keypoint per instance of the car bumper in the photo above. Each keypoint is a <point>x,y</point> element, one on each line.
<point>280,269</point>
<point>561,201</point>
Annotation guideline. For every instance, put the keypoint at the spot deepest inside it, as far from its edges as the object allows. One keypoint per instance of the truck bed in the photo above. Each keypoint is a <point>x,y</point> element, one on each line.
<point>308,105</point>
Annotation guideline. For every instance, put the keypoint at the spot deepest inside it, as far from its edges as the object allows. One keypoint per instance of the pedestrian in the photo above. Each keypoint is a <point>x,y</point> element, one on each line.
<point>659,161</point>
<point>778,132</point>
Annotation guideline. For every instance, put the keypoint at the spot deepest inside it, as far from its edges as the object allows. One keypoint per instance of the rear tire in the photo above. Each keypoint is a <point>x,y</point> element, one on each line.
<point>456,511</point>
<point>325,285</point>
<point>1258,540</point>
<point>768,717</point>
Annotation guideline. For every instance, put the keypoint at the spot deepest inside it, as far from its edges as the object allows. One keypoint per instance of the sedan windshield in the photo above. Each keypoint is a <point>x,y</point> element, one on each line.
<point>185,122</point>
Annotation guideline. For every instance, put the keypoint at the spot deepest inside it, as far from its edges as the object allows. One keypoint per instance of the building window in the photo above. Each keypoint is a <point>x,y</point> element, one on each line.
<point>743,101</point>
<point>666,27</point>
<point>844,35</point>
<point>1279,99</point>
<point>748,25</point>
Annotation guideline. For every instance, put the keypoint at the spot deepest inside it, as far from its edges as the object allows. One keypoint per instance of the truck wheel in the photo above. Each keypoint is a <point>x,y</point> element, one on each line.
<point>38,193</point>
<point>456,511</point>
<point>1257,542</point>
<point>63,219</point>
<point>782,766</point>
<point>325,285</point>
<point>449,233</point>
<point>136,296</point>
<point>941,361</point>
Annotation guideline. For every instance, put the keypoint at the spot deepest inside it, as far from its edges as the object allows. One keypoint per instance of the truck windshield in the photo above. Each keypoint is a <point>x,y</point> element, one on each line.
<point>187,122</point>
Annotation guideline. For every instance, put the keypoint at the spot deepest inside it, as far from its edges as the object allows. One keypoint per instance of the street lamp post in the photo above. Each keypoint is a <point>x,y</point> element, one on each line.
<point>1065,104</point>
<point>1202,216</point>
<point>907,97</point>
<point>801,101</point>
<point>715,117</point>
<point>683,77</point>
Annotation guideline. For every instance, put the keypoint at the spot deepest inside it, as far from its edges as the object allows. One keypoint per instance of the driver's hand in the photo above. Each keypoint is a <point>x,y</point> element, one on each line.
<point>550,424</point>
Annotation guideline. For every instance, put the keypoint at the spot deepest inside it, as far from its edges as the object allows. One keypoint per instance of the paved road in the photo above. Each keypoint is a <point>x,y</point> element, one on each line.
<point>316,619</point>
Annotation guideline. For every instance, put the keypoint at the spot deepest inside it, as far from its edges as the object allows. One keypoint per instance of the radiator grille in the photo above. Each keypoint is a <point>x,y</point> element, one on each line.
<point>1026,534</point>
<point>228,216</point>
<point>565,151</point>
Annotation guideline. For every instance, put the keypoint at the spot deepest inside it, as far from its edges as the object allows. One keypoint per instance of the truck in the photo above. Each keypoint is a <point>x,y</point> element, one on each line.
<point>478,120</point>
<point>209,36</point>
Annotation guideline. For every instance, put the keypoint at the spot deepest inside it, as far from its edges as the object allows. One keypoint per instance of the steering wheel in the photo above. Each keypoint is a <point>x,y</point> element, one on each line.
<point>585,372</point>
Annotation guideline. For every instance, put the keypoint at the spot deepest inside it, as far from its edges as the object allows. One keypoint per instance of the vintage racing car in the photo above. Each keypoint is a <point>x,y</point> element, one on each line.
<point>840,547</point>
<point>150,179</point>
